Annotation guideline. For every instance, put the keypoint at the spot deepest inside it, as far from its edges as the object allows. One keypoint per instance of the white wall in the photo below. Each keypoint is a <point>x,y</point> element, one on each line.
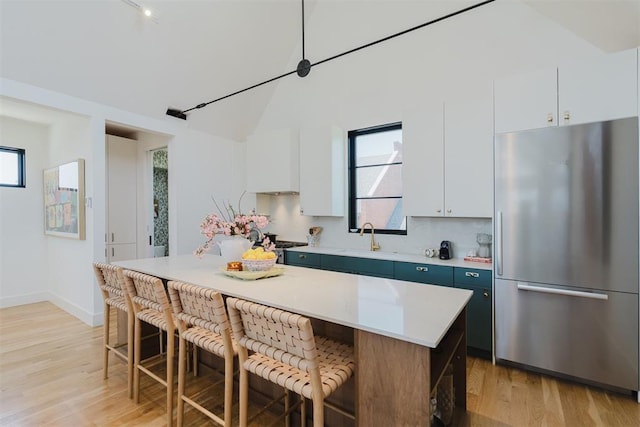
<point>454,59</point>
<point>23,246</point>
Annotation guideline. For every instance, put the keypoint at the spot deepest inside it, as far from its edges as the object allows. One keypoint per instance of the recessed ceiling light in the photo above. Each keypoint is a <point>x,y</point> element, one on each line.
<point>147,12</point>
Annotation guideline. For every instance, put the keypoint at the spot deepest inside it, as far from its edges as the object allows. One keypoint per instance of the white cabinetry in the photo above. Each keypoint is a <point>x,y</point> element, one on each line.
<point>121,198</point>
<point>602,88</point>
<point>322,171</point>
<point>468,158</point>
<point>422,161</point>
<point>448,160</point>
<point>273,162</point>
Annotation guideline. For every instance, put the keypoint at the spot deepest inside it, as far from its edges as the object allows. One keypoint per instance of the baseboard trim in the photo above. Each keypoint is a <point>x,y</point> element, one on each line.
<point>6,302</point>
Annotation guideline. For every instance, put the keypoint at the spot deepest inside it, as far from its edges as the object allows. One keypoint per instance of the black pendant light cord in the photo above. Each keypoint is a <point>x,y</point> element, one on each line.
<point>304,66</point>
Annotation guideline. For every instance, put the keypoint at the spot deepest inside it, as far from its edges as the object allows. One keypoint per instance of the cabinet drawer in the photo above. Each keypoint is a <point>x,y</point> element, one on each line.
<point>472,276</point>
<point>353,265</point>
<point>302,259</point>
<point>424,273</point>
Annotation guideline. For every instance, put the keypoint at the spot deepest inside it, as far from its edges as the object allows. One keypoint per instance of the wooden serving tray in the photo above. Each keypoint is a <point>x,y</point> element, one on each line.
<point>254,275</point>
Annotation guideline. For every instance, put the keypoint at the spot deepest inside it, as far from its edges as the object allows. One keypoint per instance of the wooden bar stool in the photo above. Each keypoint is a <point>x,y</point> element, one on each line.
<point>151,304</point>
<point>202,320</point>
<point>285,352</point>
<point>111,281</point>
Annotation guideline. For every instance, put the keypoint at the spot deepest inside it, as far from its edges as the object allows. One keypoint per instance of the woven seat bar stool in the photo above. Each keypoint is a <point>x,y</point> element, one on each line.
<point>151,304</point>
<point>111,281</point>
<point>285,352</point>
<point>202,320</point>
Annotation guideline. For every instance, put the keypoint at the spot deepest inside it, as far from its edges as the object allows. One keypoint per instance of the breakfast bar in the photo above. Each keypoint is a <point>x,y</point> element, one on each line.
<point>405,334</point>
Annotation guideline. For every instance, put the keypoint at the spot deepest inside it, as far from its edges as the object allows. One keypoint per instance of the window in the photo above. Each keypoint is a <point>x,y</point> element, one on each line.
<point>375,179</point>
<point>12,171</point>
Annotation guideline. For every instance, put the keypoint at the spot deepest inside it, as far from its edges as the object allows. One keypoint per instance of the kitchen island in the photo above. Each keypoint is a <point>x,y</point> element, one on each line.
<point>405,334</point>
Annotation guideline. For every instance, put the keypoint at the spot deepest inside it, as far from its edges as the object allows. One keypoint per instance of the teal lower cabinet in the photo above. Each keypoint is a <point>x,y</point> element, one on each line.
<point>302,259</point>
<point>424,273</point>
<point>353,265</point>
<point>479,314</point>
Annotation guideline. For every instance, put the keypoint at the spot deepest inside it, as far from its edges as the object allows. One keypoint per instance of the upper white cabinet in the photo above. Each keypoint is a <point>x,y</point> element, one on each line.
<point>121,198</point>
<point>468,157</point>
<point>322,171</point>
<point>448,160</point>
<point>602,88</point>
<point>423,161</point>
<point>273,161</point>
<point>526,101</point>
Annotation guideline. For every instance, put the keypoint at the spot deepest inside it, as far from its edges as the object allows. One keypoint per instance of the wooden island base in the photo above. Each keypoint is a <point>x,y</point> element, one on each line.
<point>395,379</point>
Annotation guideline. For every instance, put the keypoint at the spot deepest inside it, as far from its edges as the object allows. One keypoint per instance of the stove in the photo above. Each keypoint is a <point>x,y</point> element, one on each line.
<point>281,245</point>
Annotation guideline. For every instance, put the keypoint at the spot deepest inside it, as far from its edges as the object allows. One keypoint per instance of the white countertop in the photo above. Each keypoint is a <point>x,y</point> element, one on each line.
<point>392,256</point>
<point>412,312</point>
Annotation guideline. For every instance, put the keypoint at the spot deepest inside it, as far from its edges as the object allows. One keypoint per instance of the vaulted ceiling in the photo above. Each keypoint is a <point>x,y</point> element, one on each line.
<point>195,51</point>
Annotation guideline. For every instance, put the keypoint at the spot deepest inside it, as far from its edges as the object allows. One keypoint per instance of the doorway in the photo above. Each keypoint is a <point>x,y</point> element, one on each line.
<point>160,202</point>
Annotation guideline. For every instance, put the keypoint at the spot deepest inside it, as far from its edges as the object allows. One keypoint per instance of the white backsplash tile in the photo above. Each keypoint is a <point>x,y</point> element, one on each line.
<point>422,233</point>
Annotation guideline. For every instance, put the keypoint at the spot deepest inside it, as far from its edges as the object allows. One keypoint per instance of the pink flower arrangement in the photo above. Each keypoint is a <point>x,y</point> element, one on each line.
<point>233,224</point>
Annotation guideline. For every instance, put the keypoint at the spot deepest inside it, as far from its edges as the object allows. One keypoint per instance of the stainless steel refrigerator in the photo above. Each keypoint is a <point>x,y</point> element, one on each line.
<point>566,250</point>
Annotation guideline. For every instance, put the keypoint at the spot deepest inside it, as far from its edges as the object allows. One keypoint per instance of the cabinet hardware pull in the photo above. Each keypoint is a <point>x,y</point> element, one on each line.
<point>567,116</point>
<point>471,274</point>
<point>302,256</point>
<point>485,294</point>
<point>422,268</point>
<point>112,237</point>
<point>113,252</point>
<point>550,118</point>
<point>439,210</point>
<point>566,292</point>
<point>448,210</point>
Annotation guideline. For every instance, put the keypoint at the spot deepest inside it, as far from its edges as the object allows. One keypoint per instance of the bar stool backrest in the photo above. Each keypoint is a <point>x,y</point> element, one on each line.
<point>111,280</point>
<point>280,335</point>
<point>146,291</point>
<point>195,305</point>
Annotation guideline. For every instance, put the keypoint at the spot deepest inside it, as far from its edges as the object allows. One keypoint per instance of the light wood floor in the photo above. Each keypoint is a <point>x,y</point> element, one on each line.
<point>51,375</point>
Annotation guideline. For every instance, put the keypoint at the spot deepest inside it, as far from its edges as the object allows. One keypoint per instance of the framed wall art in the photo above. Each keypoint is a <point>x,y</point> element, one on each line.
<point>64,213</point>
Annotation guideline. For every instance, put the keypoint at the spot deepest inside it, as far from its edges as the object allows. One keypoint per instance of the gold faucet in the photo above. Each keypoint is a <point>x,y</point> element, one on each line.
<point>374,245</point>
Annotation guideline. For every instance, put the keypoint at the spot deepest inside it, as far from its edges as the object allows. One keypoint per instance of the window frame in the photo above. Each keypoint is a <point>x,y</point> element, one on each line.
<point>351,173</point>
<point>22,172</point>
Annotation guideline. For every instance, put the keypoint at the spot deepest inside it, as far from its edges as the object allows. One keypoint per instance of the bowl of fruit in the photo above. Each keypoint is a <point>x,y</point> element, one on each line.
<point>258,260</point>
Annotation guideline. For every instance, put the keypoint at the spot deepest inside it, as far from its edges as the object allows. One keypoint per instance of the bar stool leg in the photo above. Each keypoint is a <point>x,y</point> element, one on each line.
<point>244,396</point>
<point>181,379</point>
<point>136,370</point>
<point>105,339</point>
<point>130,347</point>
<point>170,352</point>
<point>228,391</point>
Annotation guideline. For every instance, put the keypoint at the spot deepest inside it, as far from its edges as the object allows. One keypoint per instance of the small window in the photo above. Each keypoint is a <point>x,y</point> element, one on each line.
<point>375,179</point>
<point>12,171</point>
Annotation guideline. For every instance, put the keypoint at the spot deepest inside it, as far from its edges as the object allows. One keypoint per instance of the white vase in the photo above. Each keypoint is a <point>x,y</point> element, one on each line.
<point>233,248</point>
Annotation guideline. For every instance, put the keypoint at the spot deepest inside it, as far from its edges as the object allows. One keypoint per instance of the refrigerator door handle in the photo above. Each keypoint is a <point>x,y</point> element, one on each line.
<point>592,295</point>
<point>499,243</point>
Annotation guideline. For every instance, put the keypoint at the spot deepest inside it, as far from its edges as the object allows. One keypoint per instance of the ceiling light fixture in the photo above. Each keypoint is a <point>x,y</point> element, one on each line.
<point>304,66</point>
<point>145,11</point>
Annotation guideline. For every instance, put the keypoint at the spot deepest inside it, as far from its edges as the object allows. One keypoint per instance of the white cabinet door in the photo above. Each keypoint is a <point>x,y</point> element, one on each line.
<point>121,252</point>
<point>273,162</point>
<point>322,171</point>
<point>526,101</point>
<point>468,158</point>
<point>122,190</point>
<point>422,162</point>
<point>604,88</point>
